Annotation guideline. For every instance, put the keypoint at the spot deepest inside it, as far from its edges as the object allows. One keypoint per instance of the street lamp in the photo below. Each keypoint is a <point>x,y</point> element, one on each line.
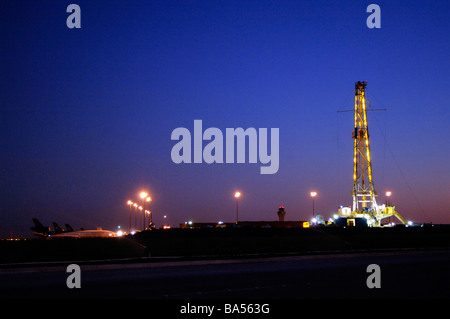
<point>148,212</point>
<point>135,215</point>
<point>237,195</point>
<point>131,204</point>
<point>313,194</point>
<point>143,195</point>
<point>140,208</point>
<point>388,194</point>
<point>149,199</point>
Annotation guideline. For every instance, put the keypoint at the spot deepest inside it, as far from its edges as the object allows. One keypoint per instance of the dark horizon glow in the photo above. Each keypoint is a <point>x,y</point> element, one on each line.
<point>87,114</point>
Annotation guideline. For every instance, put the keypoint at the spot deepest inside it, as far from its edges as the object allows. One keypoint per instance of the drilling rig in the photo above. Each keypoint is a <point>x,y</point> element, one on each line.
<point>365,209</point>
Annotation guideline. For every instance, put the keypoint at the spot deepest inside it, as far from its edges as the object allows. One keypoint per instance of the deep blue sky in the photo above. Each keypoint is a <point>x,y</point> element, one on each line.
<point>87,114</point>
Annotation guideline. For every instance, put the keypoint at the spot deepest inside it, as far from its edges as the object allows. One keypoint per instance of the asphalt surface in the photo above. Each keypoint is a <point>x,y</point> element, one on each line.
<point>423,274</point>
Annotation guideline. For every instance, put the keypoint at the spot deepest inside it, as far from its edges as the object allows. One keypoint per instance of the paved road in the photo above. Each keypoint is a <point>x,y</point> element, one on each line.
<point>407,274</point>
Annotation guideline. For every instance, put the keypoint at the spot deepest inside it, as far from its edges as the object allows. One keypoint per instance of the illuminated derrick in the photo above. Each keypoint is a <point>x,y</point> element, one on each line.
<point>363,193</point>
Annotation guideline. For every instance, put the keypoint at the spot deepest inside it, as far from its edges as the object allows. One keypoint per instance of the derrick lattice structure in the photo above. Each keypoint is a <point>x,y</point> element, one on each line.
<point>364,204</point>
<point>363,192</point>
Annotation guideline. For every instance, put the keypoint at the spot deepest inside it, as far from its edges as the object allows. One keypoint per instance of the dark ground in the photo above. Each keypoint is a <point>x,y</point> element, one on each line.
<point>228,243</point>
<point>292,270</point>
<point>233,241</point>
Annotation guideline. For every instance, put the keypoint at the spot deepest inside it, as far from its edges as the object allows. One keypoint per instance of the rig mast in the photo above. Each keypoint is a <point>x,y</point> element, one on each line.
<point>363,192</point>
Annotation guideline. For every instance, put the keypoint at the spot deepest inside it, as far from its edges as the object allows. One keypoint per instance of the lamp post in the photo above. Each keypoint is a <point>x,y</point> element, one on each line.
<point>237,195</point>
<point>147,212</point>
<point>388,194</point>
<point>140,208</point>
<point>313,194</point>
<point>149,199</point>
<point>131,204</point>
<point>143,195</point>
<point>135,215</point>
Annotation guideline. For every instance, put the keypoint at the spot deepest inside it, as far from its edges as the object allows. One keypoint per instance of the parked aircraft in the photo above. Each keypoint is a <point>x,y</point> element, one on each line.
<point>40,230</point>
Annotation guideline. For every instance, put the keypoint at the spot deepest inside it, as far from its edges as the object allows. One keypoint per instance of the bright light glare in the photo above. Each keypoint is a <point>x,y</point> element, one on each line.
<point>237,194</point>
<point>143,195</point>
<point>119,233</point>
<point>313,194</point>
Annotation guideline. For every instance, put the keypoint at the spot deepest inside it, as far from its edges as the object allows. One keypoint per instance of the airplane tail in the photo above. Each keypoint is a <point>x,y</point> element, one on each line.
<point>39,229</point>
<point>37,223</point>
<point>58,229</point>
<point>69,228</point>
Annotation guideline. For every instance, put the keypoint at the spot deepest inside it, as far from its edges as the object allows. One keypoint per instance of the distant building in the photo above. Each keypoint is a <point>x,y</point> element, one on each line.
<point>247,224</point>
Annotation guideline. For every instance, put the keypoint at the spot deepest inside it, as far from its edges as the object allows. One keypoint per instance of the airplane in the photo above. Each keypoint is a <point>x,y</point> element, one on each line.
<point>85,233</point>
<point>41,230</point>
<point>57,228</point>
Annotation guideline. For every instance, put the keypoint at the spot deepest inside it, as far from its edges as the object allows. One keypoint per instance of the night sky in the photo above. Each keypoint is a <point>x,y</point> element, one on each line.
<point>87,114</point>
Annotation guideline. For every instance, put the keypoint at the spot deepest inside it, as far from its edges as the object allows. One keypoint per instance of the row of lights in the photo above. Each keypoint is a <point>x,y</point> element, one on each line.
<point>145,199</point>
<point>314,194</point>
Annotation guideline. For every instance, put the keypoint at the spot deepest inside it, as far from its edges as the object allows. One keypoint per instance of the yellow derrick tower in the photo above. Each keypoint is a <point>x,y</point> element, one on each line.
<point>363,193</point>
